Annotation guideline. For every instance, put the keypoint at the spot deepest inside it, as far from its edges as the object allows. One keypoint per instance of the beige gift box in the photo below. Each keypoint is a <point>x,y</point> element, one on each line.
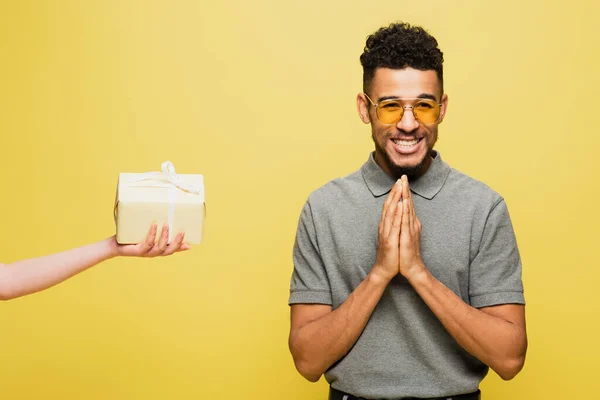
<point>163,198</point>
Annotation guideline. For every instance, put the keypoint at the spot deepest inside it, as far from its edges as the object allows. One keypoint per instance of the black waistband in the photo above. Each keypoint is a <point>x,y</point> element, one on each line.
<point>338,395</point>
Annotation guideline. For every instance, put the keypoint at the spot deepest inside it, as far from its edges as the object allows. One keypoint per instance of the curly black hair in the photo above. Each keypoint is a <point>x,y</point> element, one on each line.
<point>399,46</point>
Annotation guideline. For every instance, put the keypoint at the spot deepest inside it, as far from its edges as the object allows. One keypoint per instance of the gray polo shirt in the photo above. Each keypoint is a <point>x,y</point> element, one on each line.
<point>467,242</point>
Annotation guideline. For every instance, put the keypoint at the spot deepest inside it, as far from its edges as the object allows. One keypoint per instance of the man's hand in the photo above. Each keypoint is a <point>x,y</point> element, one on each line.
<point>319,335</point>
<point>495,335</point>
<point>410,262</point>
<point>149,248</point>
<point>386,264</point>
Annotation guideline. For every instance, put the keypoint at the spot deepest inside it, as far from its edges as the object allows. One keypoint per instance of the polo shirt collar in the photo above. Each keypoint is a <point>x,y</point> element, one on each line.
<point>427,186</point>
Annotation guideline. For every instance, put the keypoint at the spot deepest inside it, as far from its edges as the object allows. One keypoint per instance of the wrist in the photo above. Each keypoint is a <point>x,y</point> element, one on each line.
<point>112,248</point>
<point>419,275</point>
<point>379,277</point>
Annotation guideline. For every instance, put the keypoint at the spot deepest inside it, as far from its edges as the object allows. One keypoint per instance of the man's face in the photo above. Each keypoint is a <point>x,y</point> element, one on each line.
<point>404,147</point>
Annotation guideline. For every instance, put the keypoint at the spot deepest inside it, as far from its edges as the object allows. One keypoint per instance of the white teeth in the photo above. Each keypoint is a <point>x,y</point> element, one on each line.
<point>406,143</point>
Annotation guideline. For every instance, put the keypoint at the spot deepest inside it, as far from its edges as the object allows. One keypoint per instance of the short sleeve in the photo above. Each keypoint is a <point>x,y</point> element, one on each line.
<point>309,284</point>
<point>495,272</point>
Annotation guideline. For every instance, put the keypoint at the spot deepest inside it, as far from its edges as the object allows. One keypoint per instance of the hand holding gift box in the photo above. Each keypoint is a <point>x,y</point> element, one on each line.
<point>143,200</point>
<point>166,198</point>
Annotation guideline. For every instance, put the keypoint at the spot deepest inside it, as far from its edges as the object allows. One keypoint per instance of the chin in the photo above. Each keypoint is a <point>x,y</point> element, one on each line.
<point>412,161</point>
<point>412,169</point>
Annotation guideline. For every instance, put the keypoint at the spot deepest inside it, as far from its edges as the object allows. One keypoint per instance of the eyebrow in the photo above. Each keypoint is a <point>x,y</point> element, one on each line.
<point>421,96</point>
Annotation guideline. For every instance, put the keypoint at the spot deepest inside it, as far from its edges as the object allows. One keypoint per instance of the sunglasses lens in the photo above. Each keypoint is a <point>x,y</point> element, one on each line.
<point>390,112</point>
<point>426,111</point>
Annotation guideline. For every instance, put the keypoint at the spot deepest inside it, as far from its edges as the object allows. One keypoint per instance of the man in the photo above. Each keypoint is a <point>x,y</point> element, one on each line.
<point>33,275</point>
<point>414,294</point>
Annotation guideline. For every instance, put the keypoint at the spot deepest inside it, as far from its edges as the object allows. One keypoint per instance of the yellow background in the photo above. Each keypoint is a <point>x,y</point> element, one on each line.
<point>259,97</point>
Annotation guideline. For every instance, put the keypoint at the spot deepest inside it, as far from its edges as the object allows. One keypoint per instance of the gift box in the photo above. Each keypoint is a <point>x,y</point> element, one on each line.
<point>163,198</point>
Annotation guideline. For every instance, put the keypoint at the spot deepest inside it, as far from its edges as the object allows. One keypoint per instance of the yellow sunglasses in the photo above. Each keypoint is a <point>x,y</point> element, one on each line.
<point>391,111</point>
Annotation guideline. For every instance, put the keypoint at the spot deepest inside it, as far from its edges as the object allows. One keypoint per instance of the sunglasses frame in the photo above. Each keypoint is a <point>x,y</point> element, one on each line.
<point>404,110</point>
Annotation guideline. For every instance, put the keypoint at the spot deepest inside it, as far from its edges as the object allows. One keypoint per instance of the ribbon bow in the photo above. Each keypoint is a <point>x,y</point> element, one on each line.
<point>168,171</point>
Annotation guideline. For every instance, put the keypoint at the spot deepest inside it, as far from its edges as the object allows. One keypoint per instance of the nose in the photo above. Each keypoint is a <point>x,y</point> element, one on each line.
<point>408,122</point>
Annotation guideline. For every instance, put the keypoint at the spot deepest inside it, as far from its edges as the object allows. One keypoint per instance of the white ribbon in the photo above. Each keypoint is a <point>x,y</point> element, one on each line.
<point>168,171</point>
<point>174,182</point>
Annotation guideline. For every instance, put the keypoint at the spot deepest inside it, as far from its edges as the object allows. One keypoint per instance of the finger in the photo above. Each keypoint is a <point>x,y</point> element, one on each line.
<point>410,196</point>
<point>388,200</point>
<point>148,243</point>
<point>164,239</point>
<point>405,227</point>
<point>389,216</point>
<point>413,214</point>
<point>410,204</point>
<point>397,221</point>
<point>174,245</point>
<point>184,247</point>
<point>391,210</point>
<point>384,209</point>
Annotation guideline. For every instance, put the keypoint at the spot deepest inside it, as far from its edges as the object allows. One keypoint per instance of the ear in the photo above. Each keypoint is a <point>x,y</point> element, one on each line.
<point>362,106</point>
<point>443,108</point>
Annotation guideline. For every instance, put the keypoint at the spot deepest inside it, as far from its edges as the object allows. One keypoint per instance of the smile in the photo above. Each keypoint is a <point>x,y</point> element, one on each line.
<point>406,143</point>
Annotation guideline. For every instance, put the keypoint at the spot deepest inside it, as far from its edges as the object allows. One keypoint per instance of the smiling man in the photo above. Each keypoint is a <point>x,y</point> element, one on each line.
<point>407,276</point>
